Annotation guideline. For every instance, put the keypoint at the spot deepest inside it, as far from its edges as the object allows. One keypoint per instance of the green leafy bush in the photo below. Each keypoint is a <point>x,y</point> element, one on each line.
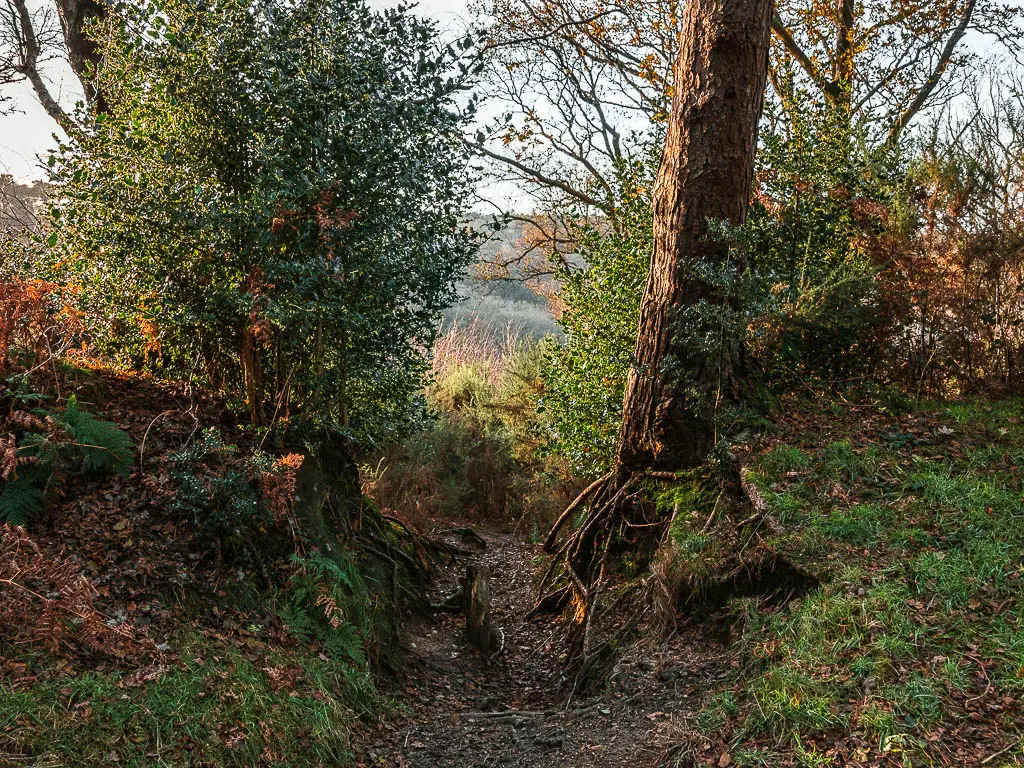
<point>477,454</point>
<point>217,484</point>
<point>239,212</point>
<point>805,299</point>
<point>821,197</point>
<point>326,601</point>
<point>102,446</point>
<point>585,376</point>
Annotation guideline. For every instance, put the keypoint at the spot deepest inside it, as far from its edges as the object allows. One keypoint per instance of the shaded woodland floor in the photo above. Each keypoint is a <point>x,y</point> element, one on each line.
<point>900,644</point>
<point>458,709</point>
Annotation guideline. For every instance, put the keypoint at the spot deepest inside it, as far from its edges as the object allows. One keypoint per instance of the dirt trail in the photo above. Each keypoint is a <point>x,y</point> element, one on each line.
<point>461,710</point>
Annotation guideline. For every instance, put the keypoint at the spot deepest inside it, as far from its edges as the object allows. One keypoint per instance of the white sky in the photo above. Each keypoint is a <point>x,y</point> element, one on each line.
<point>27,135</point>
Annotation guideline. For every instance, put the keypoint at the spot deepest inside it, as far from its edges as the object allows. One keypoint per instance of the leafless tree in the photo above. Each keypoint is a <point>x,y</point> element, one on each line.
<point>30,38</point>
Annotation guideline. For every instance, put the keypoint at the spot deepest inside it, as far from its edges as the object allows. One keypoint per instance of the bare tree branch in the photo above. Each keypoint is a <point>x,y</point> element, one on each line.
<point>29,68</point>
<point>926,90</point>
<point>535,174</point>
<point>801,58</point>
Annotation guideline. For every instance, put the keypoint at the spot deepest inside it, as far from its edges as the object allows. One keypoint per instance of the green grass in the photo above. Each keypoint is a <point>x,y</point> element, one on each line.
<point>783,459</point>
<point>917,539</point>
<point>217,706</point>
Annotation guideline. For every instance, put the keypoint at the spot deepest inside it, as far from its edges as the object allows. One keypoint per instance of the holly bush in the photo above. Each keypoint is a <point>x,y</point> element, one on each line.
<point>273,203</point>
<point>585,375</point>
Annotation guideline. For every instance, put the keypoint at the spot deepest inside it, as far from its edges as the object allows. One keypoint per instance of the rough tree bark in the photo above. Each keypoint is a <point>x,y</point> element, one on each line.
<point>478,609</point>
<point>671,393</point>
<point>706,174</point>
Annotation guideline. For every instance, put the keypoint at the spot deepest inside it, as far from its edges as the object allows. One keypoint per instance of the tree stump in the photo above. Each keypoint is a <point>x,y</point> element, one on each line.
<point>478,609</point>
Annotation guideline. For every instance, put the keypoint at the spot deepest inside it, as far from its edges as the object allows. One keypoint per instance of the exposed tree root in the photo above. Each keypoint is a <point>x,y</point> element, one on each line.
<point>581,558</point>
<point>617,521</point>
<point>580,570</point>
<point>590,490</point>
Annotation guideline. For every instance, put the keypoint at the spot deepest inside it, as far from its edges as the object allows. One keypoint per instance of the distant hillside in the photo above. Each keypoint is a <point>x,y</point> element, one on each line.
<point>502,303</point>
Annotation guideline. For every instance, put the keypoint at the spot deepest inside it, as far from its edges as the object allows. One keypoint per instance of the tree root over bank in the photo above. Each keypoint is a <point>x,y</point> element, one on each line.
<point>616,519</point>
<point>580,578</point>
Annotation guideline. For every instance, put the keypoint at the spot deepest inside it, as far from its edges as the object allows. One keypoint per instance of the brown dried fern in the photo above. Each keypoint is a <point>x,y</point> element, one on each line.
<point>45,600</point>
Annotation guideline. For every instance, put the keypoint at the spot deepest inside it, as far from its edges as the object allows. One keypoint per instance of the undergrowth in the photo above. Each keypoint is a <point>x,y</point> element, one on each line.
<point>179,614</point>
<point>478,453</point>
<point>41,445</point>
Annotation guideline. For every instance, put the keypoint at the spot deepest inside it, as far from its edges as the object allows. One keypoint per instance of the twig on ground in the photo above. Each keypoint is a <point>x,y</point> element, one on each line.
<point>1001,752</point>
<point>508,714</point>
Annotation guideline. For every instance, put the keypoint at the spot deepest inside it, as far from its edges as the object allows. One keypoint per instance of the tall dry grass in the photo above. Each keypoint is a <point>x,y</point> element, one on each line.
<point>485,345</point>
<point>477,458</point>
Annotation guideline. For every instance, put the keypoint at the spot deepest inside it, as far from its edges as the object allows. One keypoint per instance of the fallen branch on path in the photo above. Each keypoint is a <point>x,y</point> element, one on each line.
<point>508,714</point>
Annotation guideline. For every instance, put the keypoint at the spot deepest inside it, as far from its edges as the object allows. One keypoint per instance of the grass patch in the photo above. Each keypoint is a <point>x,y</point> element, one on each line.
<point>915,633</point>
<point>217,706</point>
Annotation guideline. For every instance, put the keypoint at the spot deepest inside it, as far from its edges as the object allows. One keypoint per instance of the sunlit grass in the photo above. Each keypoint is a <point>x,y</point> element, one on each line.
<point>918,546</point>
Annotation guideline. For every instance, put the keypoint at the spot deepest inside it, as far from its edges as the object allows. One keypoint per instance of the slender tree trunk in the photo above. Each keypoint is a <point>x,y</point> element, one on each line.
<point>706,173</point>
<point>844,65</point>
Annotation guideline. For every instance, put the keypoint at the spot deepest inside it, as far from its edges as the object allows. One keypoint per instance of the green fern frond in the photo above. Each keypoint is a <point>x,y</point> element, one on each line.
<point>344,643</point>
<point>105,447</point>
<point>20,501</point>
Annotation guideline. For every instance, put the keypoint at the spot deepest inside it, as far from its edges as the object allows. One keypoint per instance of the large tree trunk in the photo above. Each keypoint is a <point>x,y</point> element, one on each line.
<point>76,16</point>
<point>675,383</point>
<point>705,175</point>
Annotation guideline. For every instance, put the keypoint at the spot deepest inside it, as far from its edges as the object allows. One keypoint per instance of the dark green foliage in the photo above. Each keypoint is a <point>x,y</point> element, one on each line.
<point>274,200</point>
<point>21,500</point>
<point>103,446</point>
<point>215,486</point>
<point>800,289</point>
<point>821,195</point>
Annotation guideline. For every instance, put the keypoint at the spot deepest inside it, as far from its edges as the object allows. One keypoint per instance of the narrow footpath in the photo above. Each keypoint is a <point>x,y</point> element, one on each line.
<point>457,709</point>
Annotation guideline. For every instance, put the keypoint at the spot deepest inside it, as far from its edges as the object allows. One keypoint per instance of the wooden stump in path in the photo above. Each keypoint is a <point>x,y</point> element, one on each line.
<point>478,609</point>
